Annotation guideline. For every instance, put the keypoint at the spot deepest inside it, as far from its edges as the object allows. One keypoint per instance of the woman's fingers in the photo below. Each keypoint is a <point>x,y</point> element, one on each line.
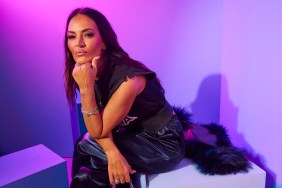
<point>84,75</point>
<point>111,177</point>
<point>126,179</point>
<point>119,170</point>
<point>116,176</point>
<point>86,69</point>
<point>94,61</point>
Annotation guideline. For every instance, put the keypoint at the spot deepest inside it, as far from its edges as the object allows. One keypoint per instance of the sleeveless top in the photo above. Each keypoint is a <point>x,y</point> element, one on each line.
<point>150,110</point>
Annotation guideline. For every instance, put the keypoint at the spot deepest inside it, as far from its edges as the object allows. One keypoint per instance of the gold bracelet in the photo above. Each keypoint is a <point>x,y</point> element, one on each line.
<point>89,113</point>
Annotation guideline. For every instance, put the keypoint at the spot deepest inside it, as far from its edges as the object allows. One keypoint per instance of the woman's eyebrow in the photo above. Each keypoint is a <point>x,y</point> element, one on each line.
<point>84,30</point>
<point>88,29</point>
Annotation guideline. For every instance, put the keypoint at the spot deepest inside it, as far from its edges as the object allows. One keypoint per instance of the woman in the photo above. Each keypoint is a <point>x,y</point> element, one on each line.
<point>131,127</point>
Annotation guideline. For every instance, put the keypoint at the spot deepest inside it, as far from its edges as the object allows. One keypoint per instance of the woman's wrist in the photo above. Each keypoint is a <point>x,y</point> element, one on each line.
<point>88,100</point>
<point>91,112</point>
<point>111,152</point>
<point>86,92</point>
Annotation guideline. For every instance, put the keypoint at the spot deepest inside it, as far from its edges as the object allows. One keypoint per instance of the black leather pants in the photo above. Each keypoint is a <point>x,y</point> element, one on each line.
<point>147,153</point>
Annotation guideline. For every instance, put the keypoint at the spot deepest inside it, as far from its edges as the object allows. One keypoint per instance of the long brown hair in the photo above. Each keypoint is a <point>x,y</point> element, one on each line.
<point>113,51</point>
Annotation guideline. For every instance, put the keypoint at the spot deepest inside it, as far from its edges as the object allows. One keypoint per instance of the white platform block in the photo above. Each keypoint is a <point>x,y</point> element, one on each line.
<point>187,176</point>
<point>34,167</point>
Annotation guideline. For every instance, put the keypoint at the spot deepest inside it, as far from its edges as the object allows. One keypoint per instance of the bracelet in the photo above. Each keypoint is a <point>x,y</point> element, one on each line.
<point>89,113</point>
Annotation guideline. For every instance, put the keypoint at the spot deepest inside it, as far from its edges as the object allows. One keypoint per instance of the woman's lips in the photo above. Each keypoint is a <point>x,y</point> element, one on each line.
<point>80,53</point>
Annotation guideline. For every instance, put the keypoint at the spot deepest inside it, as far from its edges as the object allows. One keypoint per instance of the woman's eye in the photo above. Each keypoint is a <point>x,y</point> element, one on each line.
<point>89,35</point>
<point>71,37</point>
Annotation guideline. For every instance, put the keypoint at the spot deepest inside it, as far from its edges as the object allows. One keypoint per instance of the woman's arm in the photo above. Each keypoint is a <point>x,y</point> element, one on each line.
<point>118,106</point>
<point>116,109</point>
<point>118,167</point>
<point>100,125</point>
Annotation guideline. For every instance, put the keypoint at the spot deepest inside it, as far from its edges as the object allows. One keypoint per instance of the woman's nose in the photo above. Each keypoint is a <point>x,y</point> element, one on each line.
<point>80,42</point>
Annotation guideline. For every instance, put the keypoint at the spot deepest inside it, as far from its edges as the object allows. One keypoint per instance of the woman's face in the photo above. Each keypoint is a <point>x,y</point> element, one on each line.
<point>84,40</point>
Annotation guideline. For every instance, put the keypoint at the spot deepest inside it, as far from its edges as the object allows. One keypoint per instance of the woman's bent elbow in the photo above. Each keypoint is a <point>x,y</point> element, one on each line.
<point>95,135</point>
<point>99,135</point>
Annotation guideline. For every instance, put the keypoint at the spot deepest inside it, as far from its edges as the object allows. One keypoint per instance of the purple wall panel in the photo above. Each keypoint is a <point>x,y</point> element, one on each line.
<point>251,61</point>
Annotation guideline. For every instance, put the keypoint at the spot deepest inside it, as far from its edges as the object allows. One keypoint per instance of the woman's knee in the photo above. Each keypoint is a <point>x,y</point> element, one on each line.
<point>81,179</point>
<point>88,152</point>
<point>87,177</point>
<point>88,146</point>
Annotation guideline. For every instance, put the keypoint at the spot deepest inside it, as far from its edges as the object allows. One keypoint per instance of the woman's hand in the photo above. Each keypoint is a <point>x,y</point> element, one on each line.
<point>118,168</point>
<point>85,74</point>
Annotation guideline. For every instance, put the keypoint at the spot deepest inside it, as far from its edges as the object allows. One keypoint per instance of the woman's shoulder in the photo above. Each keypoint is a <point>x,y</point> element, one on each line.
<point>124,70</point>
<point>120,72</point>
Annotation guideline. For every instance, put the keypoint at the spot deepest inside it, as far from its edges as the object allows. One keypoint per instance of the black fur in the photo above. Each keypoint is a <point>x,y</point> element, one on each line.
<point>222,158</point>
<point>217,160</point>
<point>221,133</point>
<point>184,116</point>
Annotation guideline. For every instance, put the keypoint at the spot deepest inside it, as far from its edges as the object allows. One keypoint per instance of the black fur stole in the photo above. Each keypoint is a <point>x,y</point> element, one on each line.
<point>210,147</point>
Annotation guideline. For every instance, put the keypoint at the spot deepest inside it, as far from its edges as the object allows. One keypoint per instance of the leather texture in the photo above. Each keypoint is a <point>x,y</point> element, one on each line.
<point>146,152</point>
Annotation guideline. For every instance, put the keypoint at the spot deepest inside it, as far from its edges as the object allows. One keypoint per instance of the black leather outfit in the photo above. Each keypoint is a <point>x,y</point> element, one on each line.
<point>150,137</point>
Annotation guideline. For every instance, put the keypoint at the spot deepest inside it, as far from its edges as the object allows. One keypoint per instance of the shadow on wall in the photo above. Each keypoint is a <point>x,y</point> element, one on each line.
<point>206,107</point>
<point>213,97</point>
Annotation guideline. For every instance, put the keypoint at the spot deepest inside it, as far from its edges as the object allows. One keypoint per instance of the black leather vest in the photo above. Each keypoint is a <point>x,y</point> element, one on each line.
<point>150,110</point>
